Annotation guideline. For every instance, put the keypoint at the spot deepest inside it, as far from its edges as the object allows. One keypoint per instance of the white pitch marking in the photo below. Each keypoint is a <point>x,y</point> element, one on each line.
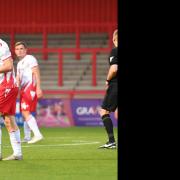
<point>56,145</point>
<point>62,137</point>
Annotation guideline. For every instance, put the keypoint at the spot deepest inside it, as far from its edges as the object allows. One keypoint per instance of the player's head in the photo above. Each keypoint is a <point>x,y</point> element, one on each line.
<point>115,38</point>
<point>20,49</point>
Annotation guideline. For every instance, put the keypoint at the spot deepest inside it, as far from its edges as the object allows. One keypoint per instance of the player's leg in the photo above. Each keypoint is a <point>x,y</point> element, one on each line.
<point>109,105</point>
<point>8,109</point>
<point>28,105</point>
<point>25,102</point>
<point>31,121</point>
<point>14,134</point>
<point>27,132</point>
<point>105,116</point>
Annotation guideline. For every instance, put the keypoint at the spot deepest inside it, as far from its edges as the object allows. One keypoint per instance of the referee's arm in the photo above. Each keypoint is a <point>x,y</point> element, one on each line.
<point>112,72</point>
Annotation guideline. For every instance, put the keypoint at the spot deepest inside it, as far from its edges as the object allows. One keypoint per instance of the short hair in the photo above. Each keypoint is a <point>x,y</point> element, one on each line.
<point>21,43</point>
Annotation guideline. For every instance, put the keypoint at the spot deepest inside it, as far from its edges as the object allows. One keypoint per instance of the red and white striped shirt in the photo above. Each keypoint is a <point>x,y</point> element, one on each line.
<point>7,78</point>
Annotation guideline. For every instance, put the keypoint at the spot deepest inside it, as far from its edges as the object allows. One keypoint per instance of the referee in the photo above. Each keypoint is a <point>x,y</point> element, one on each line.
<point>109,103</point>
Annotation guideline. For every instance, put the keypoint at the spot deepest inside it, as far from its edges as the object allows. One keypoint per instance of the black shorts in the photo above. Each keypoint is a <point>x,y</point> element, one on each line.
<point>110,100</point>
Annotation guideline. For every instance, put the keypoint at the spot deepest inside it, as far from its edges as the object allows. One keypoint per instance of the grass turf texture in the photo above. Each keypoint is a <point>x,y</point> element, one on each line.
<point>64,154</point>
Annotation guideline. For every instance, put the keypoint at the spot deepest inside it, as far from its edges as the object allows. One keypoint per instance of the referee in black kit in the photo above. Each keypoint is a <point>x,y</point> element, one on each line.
<point>109,103</point>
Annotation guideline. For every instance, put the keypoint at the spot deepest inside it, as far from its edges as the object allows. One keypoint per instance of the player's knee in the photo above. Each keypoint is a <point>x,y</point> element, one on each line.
<point>8,125</point>
<point>26,115</point>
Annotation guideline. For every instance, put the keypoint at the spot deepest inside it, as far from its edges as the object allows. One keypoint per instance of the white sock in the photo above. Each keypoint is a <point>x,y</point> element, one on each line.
<point>16,142</point>
<point>27,131</point>
<point>0,139</point>
<point>33,126</point>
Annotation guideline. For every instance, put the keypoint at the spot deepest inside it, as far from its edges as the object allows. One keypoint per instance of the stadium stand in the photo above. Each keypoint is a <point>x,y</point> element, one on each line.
<point>72,49</point>
<point>77,74</point>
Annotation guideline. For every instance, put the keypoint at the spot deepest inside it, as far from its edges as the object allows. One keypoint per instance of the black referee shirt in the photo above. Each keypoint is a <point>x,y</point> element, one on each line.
<point>113,59</point>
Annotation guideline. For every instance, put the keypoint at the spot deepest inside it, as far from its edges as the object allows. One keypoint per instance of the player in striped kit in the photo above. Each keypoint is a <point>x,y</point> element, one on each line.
<point>8,95</point>
<point>28,78</point>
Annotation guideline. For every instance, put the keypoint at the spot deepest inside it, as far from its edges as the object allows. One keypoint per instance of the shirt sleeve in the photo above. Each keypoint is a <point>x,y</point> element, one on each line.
<point>113,57</point>
<point>33,62</point>
<point>4,53</point>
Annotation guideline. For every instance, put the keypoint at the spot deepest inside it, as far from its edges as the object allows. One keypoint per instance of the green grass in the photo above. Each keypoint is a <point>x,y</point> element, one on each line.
<point>62,155</point>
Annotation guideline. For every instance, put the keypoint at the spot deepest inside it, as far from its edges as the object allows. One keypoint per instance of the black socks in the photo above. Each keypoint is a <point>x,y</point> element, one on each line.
<point>108,126</point>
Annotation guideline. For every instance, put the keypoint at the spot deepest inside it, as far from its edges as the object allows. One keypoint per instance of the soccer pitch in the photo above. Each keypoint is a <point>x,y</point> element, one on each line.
<point>64,154</point>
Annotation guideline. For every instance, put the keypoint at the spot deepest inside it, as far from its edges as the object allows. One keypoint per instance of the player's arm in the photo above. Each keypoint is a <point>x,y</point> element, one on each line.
<point>113,66</point>
<point>36,73</point>
<point>111,73</point>
<point>7,65</point>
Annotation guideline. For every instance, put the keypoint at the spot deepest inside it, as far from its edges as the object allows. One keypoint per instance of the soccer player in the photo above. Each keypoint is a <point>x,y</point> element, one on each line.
<point>8,95</point>
<point>28,79</point>
<point>109,103</point>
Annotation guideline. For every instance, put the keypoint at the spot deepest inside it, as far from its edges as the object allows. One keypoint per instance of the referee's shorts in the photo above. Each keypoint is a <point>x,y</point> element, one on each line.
<point>110,100</point>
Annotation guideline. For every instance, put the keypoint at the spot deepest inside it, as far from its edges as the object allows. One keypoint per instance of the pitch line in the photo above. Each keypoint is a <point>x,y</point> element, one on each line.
<point>56,145</point>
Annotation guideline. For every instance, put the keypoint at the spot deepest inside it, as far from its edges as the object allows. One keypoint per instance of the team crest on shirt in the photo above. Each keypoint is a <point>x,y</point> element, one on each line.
<point>111,58</point>
<point>32,94</point>
<point>24,105</point>
<point>6,92</point>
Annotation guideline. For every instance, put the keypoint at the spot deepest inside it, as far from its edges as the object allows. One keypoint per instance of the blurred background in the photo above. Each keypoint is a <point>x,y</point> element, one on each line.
<point>71,40</point>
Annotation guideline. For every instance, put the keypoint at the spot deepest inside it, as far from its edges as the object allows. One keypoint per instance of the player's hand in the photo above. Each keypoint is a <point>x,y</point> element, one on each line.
<point>39,93</point>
